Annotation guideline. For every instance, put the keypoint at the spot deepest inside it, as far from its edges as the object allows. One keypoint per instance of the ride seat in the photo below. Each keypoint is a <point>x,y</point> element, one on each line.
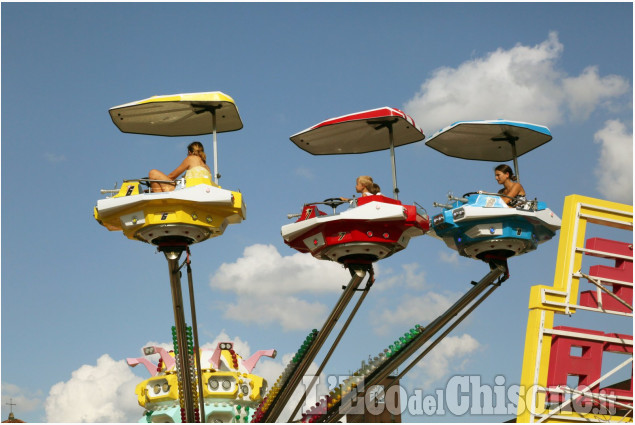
<point>379,198</point>
<point>194,181</point>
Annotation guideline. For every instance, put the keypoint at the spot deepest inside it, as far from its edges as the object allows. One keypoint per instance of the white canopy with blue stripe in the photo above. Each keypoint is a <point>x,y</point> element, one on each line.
<point>490,140</point>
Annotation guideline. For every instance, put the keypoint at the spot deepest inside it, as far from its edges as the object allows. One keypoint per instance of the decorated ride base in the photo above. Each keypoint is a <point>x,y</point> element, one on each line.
<point>230,392</point>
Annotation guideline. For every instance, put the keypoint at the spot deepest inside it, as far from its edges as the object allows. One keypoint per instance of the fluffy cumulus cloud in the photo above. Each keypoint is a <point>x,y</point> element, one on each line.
<point>24,400</point>
<point>105,392</point>
<point>305,173</point>
<point>523,83</point>
<point>95,393</point>
<point>412,310</point>
<point>450,356</point>
<point>422,307</point>
<point>269,286</point>
<point>615,165</point>
<point>53,157</point>
<point>450,257</point>
<point>587,91</point>
<point>409,276</point>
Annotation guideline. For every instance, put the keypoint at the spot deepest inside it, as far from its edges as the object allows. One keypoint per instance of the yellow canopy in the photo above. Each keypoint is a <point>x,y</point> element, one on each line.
<point>189,114</point>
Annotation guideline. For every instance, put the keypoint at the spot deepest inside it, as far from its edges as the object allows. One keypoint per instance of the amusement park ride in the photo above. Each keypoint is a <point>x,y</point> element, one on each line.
<point>479,224</point>
<point>198,209</point>
<point>189,387</point>
<point>378,226</point>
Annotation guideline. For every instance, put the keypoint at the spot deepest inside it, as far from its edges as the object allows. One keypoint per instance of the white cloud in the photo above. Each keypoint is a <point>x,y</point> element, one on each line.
<point>52,157</point>
<point>105,392</point>
<point>262,270</point>
<point>269,289</point>
<point>413,310</point>
<point>267,285</point>
<point>96,393</point>
<point>449,356</point>
<point>271,369</point>
<point>290,312</point>
<point>588,90</point>
<point>450,257</point>
<point>615,165</point>
<point>24,400</point>
<point>410,277</point>
<point>522,83</point>
<point>305,173</point>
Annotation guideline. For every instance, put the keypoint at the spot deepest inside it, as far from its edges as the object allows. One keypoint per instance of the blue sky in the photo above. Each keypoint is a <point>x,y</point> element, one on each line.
<point>77,299</point>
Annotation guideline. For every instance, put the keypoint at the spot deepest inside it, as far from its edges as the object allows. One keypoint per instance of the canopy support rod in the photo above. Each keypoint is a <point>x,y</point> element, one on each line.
<point>388,123</point>
<point>216,174</point>
<point>513,142</point>
<point>395,189</point>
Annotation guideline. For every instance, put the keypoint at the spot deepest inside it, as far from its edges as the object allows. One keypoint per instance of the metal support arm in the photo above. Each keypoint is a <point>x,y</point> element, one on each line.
<point>285,394</point>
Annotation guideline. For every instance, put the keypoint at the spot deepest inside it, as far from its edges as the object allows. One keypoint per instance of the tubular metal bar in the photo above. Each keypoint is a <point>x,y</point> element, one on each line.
<point>603,288</point>
<point>199,376</point>
<point>576,396</point>
<point>385,369</point>
<point>395,190</point>
<point>281,400</point>
<point>388,123</point>
<point>179,321</point>
<point>444,334</point>
<point>215,146</point>
<point>513,142</point>
<point>331,350</point>
<point>146,180</point>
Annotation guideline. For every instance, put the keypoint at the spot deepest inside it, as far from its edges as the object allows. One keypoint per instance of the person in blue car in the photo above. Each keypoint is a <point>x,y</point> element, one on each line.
<point>513,191</point>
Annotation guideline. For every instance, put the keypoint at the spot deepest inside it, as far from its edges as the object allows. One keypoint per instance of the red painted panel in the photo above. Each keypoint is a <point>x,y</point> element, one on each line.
<point>588,366</point>
<point>623,270</point>
<point>607,245</point>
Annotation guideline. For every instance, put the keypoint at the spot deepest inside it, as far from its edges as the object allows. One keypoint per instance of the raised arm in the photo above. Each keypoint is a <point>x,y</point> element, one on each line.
<point>180,169</point>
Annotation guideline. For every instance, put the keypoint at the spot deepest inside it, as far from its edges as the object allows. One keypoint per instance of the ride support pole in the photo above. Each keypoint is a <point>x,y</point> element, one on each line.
<point>197,347</point>
<point>279,403</point>
<point>385,369</point>
<point>173,255</point>
<point>332,349</point>
<point>444,334</point>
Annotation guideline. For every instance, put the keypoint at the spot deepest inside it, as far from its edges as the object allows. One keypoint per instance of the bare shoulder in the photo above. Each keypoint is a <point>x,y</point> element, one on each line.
<point>193,161</point>
<point>516,189</point>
